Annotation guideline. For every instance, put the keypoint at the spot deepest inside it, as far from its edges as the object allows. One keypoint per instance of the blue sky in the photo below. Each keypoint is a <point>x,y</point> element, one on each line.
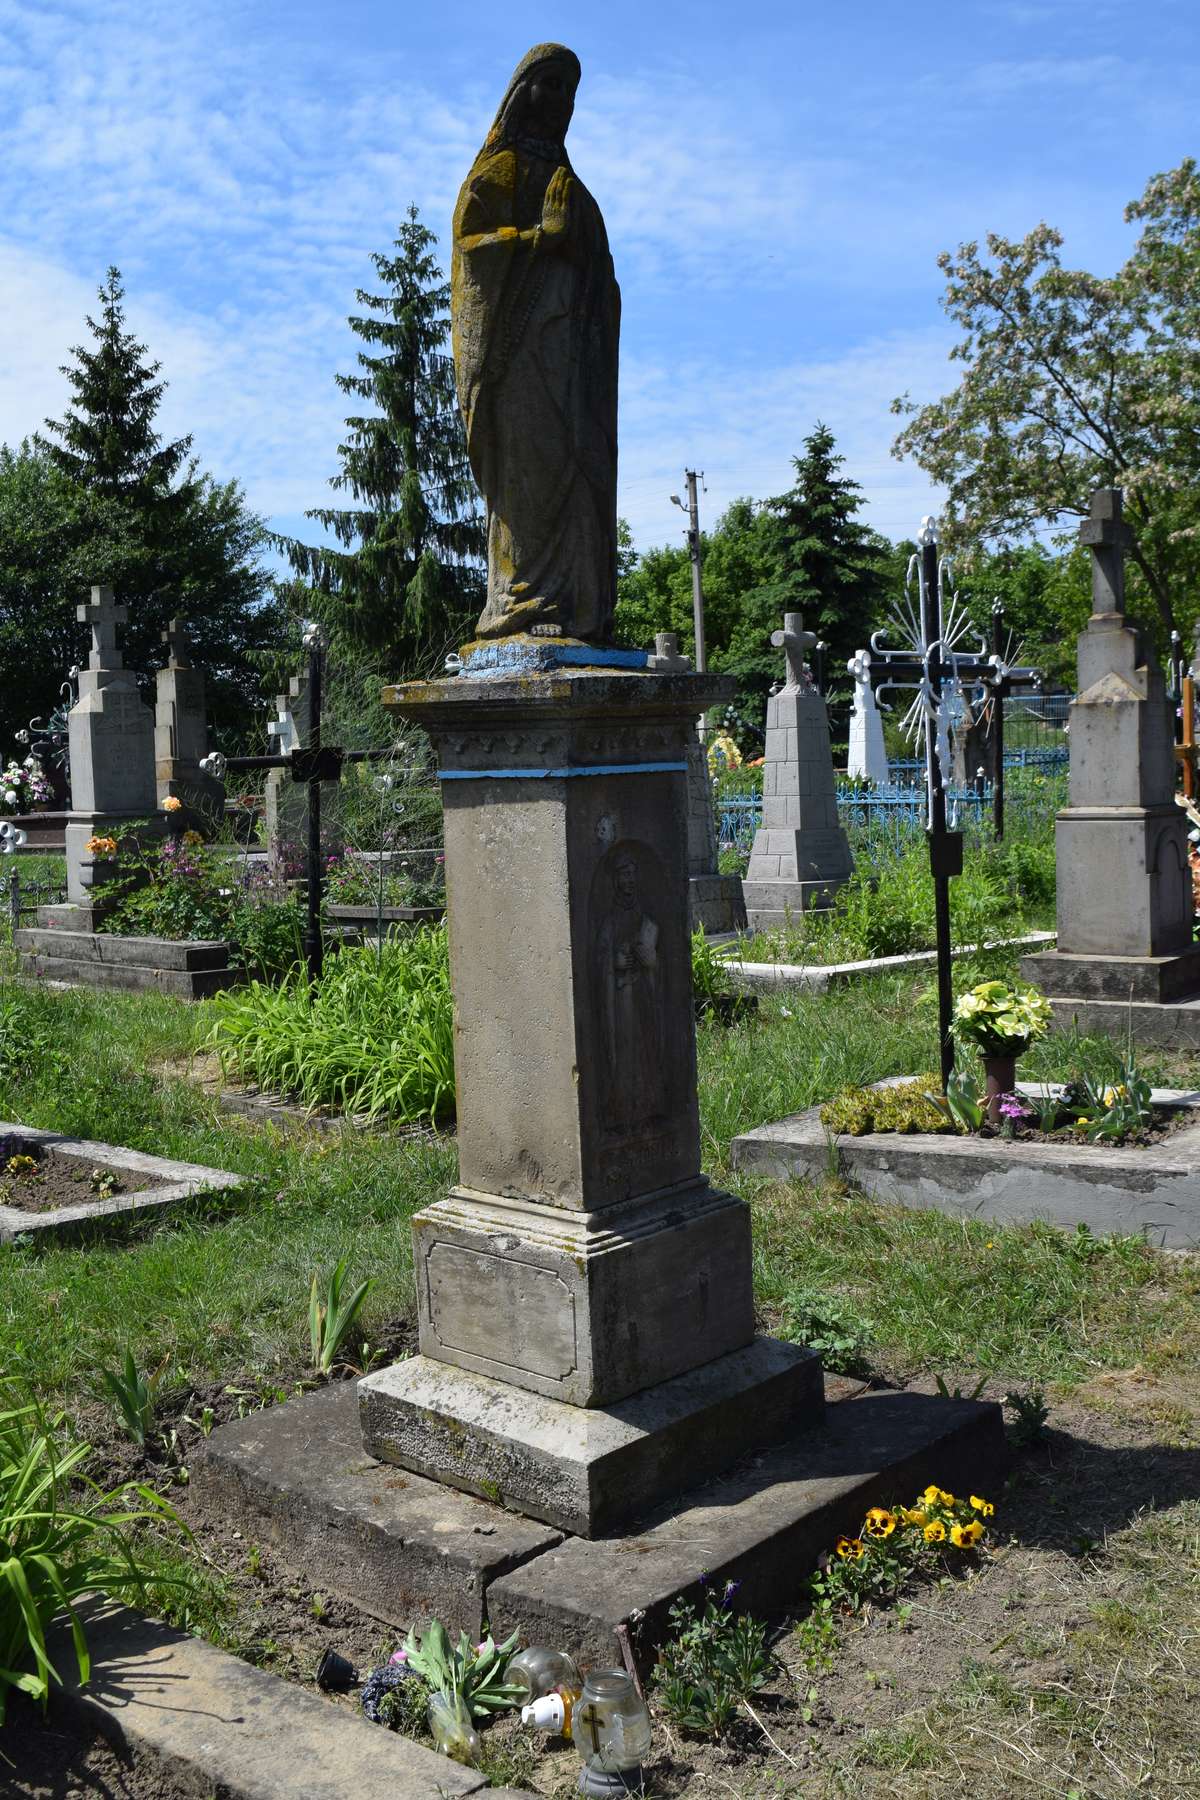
<point>777,182</point>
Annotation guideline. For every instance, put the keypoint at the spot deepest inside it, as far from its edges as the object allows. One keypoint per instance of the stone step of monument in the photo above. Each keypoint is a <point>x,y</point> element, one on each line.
<point>206,1722</point>
<point>51,939</point>
<point>185,984</point>
<point>404,1547</point>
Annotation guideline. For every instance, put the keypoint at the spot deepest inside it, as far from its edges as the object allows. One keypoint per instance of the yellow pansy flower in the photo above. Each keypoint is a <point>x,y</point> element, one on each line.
<point>935,1531</point>
<point>879,1523</point>
<point>964,1536</point>
<point>982,1506</point>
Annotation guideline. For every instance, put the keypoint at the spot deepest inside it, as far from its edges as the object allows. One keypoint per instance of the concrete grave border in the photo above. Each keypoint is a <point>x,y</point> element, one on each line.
<point>759,977</point>
<point>1154,1191</point>
<point>183,1181</point>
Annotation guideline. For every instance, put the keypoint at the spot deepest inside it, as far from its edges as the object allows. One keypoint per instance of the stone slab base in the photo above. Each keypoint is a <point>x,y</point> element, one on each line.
<point>1063,975</point>
<point>46,831</point>
<point>771,905</point>
<point>405,1549</point>
<point>401,1548</point>
<point>182,1181</point>
<point>1155,1191</point>
<point>765,1525</point>
<point>587,1469</point>
<point>54,951</point>
<point>214,1724</point>
<point>1172,1026</point>
<point>715,903</point>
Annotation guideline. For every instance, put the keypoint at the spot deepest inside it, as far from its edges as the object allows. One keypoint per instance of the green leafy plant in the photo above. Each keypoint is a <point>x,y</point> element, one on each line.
<point>374,1037</point>
<point>711,1665</point>
<point>832,1325</point>
<point>331,1314</point>
<point>1030,1413</point>
<point>61,1536</point>
<point>900,1106</point>
<point>472,1673</point>
<point>962,1103</point>
<point>1000,1019</point>
<point>134,1395</point>
<point>709,976</point>
<point>1110,1111</point>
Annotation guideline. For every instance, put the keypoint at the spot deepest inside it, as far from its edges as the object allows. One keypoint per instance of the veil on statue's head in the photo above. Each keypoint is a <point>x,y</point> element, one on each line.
<point>509,119</point>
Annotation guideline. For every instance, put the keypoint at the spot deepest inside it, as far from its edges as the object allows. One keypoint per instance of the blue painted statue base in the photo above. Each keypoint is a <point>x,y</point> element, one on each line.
<point>522,654</point>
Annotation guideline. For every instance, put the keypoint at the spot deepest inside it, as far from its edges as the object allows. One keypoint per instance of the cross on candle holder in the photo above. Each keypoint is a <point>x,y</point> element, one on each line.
<point>103,614</point>
<point>175,639</point>
<point>795,641</point>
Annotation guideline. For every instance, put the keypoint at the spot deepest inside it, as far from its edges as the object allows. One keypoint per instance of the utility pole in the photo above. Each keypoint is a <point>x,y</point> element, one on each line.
<point>693,541</point>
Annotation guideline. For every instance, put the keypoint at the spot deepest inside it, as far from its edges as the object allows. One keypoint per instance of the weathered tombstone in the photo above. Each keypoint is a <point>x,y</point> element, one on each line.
<point>181,736</point>
<point>111,735</point>
<point>800,856</point>
<point>867,757</point>
<point>714,900</point>
<point>1124,885</point>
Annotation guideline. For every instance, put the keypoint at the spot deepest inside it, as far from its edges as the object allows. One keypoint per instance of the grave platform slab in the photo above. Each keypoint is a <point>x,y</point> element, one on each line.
<point>296,1476</point>
<point>182,1181</point>
<point>1154,1191</point>
<point>588,1469</point>
<point>53,951</point>
<point>764,1525</point>
<point>401,1548</point>
<point>217,1725</point>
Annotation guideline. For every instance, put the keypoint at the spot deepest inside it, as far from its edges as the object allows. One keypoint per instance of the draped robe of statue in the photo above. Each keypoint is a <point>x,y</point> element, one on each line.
<point>536,317</point>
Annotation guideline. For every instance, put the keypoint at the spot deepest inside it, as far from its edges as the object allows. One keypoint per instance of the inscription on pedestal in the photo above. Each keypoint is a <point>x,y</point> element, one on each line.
<point>480,1304</point>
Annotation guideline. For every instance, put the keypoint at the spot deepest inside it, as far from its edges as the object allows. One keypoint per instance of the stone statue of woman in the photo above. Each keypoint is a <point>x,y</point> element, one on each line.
<point>536,315</point>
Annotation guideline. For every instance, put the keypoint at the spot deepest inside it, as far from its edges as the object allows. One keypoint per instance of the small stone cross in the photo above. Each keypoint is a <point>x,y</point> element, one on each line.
<point>1108,538</point>
<point>175,639</point>
<point>665,657</point>
<point>795,640</point>
<point>859,668</point>
<point>103,615</point>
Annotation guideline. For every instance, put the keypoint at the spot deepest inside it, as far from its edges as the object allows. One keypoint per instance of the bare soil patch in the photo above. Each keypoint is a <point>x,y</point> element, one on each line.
<point>60,1181</point>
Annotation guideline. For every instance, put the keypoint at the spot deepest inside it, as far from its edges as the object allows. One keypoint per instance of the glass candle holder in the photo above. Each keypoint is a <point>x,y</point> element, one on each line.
<point>539,1670</point>
<point>611,1730</point>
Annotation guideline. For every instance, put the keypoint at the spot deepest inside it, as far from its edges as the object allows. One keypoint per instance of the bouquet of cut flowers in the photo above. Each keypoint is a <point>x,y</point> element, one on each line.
<point>23,785</point>
<point>1001,1020</point>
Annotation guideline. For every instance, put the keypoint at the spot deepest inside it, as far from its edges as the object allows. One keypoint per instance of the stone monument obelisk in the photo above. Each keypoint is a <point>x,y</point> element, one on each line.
<point>714,900</point>
<point>587,1340</point>
<point>181,736</point>
<point>111,737</point>
<point>1124,885</point>
<point>800,855</point>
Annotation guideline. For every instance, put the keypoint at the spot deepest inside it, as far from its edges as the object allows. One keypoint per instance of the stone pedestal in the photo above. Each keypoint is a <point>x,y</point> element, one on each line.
<point>583,1259</point>
<point>181,739</point>
<point>800,855</point>
<point>111,736</point>
<point>1125,915</point>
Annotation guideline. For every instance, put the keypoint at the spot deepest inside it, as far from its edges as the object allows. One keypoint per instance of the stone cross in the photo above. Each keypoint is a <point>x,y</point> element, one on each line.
<point>795,640</point>
<point>1108,538</point>
<point>665,657</point>
<point>175,639</point>
<point>103,615</point>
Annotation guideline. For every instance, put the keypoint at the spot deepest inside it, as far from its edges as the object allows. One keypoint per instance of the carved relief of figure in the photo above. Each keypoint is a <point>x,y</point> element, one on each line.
<point>535,311</point>
<point>631,998</point>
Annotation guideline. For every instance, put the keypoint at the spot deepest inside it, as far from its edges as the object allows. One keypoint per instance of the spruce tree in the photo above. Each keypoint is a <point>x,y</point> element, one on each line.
<point>107,441</point>
<point>403,581</point>
<point>828,566</point>
<point>108,501</point>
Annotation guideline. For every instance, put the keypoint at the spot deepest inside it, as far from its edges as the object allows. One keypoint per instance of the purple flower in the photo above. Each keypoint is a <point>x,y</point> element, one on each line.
<point>1012,1107</point>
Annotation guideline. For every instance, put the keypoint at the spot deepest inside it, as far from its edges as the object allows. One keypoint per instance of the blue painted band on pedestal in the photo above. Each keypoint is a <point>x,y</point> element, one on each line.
<point>659,768</point>
<point>521,657</point>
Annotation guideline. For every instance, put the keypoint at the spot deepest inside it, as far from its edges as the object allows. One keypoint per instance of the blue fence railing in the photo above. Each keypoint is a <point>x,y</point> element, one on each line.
<point>1046,759</point>
<point>891,817</point>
